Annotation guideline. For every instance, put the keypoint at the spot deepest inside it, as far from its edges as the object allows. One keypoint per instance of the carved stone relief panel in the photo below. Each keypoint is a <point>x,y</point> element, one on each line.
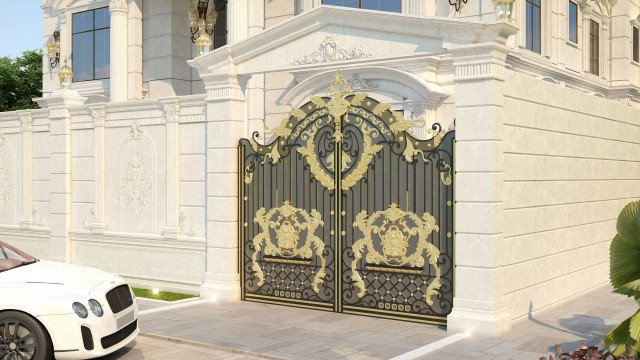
<point>136,182</point>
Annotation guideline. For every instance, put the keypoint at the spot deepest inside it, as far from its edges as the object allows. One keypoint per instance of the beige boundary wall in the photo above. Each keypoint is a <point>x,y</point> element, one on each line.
<point>571,163</point>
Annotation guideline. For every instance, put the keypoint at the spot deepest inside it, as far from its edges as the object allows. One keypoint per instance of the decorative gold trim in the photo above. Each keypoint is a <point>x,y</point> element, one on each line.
<point>285,221</point>
<point>395,233</point>
<point>394,270</point>
<point>287,261</point>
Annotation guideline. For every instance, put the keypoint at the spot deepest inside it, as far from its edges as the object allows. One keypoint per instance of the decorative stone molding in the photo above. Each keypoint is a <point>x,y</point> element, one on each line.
<point>623,100</point>
<point>636,21</point>
<point>2,138</point>
<point>99,116</point>
<point>118,6</point>
<point>171,112</point>
<point>358,84</point>
<point>26,119</point>
<point>329,51</point>
<point>225,93</point>
<point>136,130</point>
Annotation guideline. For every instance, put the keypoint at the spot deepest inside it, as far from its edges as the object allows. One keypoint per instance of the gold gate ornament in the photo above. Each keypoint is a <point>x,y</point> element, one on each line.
<point>286,224</point>
<point>395,233</point>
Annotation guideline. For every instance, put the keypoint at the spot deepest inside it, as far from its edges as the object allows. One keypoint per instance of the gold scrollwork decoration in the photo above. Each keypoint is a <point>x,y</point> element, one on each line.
<point>394,232</point>
<point>376,122</point>
<point>289,224</point>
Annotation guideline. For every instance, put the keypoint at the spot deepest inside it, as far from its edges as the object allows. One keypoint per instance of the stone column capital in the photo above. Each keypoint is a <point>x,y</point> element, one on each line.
<point>26,119</point>
<point>99,115</point>
<point>479,61</point>
<point>118,6</point>
<point>171,109</point>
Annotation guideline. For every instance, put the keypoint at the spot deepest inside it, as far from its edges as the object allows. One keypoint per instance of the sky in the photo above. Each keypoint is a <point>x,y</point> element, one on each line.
<point>20,26</point>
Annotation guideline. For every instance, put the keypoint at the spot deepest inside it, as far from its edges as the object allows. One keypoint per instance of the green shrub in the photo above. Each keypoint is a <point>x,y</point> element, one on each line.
<point>625,278</point>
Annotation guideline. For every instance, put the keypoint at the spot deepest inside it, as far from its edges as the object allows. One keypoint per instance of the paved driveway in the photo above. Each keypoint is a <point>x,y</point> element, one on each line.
<point>291,333</point>
<point>260,330</point>
<point>153,349</point>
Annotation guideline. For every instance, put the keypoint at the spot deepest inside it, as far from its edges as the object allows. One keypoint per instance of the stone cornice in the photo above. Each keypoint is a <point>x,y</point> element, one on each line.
<point>451,31</point>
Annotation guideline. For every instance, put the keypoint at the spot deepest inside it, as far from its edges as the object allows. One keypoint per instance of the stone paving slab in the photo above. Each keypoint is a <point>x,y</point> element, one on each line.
<point>586,318</point>
<point>291,333</point>
<point>144,348</point>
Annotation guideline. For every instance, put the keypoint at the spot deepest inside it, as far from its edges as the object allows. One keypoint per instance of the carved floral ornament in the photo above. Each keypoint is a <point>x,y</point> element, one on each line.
<point>136,180</point>
<point>171,112</point>
<point>604,6</point>
<point>330,51</point>
<point>99,116</point>
<point>26,120</point>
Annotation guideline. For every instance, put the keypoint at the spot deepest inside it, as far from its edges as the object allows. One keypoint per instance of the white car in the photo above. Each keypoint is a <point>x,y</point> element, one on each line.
<point>50,309</point>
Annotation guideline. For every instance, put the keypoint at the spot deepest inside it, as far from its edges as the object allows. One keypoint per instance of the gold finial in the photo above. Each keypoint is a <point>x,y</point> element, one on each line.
<point>339,86</point>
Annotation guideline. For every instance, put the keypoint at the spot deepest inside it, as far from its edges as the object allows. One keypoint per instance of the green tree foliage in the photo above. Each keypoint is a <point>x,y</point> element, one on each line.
<point>20,81</point>
<point>625,278</point>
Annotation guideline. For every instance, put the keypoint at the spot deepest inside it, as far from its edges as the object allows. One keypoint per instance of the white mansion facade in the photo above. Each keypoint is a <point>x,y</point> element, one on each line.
<point>135,168</point>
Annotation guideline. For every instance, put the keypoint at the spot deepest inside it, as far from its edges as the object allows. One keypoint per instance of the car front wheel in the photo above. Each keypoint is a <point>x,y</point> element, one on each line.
<point>23,338</point>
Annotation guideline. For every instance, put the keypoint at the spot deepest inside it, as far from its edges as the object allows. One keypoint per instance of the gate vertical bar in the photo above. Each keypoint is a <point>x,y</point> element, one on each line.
<point>337,213</point>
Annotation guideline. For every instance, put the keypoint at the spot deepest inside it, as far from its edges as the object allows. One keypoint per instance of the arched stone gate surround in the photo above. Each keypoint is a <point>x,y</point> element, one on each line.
<point>455,67</point>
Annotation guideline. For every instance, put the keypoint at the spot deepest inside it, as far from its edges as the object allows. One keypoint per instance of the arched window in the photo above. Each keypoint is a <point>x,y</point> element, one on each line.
<point>382,5</point>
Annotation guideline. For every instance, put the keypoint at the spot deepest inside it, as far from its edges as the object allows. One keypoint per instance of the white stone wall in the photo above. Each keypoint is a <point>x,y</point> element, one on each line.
<point>571,163</point>
<point>137,224</point>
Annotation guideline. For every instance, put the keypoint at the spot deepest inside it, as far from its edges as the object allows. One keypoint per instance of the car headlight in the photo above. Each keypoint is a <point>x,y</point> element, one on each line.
<point>96,308</point>
<point>80,310</point>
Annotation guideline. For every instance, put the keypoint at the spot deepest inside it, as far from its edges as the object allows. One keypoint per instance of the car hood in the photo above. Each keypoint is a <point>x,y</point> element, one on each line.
<point>54,273</point>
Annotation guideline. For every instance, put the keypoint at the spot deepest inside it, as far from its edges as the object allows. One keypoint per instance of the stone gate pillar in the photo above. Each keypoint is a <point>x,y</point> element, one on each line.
<point>59,105</point>
<point>479,305</point>
<point>225,125</point>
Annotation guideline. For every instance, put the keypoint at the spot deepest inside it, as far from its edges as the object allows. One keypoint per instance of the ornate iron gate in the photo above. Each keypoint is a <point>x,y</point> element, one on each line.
<point>374,237</point>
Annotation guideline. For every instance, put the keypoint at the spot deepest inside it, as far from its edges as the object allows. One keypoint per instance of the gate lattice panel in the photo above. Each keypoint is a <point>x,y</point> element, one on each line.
<point>373,237</point>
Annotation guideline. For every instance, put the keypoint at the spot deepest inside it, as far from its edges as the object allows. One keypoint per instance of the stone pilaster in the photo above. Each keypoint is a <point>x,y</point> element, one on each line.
<point>237,21</point>
<point>605,53</point>
<point>226,124</point>
<point>134,67</point>
<point>119,85</point>
<point>59,105</point>
<point>26,220</point>
<point>99,225</point>
<point>479,305</point>
<point>171,108</point>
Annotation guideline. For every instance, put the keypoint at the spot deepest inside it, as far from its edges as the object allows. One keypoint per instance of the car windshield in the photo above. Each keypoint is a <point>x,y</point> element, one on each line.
<point>11,258</point>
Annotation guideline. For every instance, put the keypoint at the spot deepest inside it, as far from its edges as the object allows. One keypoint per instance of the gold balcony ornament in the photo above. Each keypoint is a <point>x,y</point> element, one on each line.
<point>53,49</point>
<point>65,75</point>
<point>504,9</point>
<point>202,25</point>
